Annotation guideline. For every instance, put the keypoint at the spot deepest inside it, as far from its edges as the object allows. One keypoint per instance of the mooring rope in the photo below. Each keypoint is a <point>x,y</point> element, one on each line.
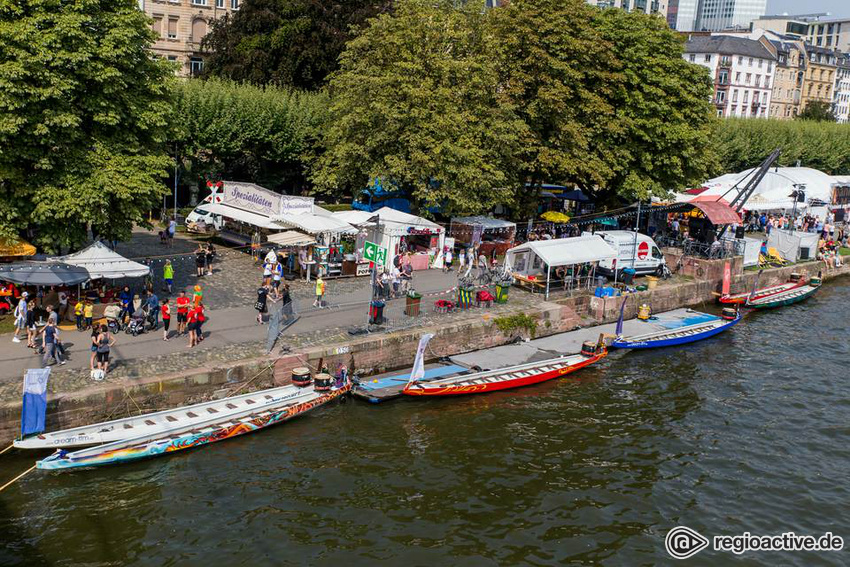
<point>7,448</point>
<point>2,488</point>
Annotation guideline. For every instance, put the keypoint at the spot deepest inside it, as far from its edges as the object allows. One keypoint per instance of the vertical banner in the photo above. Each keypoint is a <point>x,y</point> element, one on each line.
<point>35,401</point>
<point>418,371</point>
<point>727,278</point>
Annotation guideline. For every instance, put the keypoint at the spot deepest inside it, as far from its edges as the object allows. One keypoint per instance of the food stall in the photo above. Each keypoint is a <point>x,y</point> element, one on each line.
<point>493,237</point>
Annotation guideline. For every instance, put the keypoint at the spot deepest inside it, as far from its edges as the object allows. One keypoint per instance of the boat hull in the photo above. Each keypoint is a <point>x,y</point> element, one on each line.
<point>484,388</point>
<point>781,300</point>
<point>741,298</point>
<point>165,446</point>
<point>664,341</point>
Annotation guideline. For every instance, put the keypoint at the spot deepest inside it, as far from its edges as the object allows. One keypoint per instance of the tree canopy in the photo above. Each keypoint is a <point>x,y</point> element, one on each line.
<point>817,111</point>
<point>84,110</point>
<point>285,42</point>
<point>415,104</point>
<point>245,132</point>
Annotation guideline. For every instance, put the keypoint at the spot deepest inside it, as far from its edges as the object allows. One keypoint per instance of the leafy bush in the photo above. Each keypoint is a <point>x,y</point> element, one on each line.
<point>508,324</point>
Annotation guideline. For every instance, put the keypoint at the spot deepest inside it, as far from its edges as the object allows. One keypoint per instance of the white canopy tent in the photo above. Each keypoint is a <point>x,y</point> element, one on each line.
<point>538,257</point>
<point>241,215</point>
<point>101,262</point>
<point>291,238</point>
<point>794,245</point>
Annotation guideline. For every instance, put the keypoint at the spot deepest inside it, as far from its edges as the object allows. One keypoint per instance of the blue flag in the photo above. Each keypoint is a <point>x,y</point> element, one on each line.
<point>35,401</point>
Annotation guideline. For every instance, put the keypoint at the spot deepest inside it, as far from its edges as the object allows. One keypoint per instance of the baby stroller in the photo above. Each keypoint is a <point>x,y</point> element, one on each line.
<point>113,318</point>
<point>138,323</point>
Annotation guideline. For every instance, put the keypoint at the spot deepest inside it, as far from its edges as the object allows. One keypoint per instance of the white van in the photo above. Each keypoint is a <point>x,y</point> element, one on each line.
<point>647,260</point>
<point>200,214</point>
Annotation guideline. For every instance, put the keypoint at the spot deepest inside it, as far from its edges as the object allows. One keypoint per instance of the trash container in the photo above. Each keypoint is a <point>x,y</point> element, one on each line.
<point>502,293</point>
<point>464,297</point>
<point>411,307</point>
<point>376,312</point>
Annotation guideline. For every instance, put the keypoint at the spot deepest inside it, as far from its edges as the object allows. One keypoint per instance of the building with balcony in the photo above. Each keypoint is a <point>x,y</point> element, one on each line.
<point>181,25</point>
<point>819,80</point>
<point>741,70</point>
<point>788,79</point>
<point>841,91</point>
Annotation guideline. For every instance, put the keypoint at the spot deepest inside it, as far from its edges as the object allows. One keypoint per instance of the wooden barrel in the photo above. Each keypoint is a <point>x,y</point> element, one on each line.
<point>323,382</point>
<point>301,376</point>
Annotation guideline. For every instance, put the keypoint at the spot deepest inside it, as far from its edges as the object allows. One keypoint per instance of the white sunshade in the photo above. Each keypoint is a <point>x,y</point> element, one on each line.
<point>566,251</point>
<point>397,222</point>
<point>316,224</point>
<point>240,215</point>
<point>356,218</point>
<point>291,238</point>
<point>101,262</point>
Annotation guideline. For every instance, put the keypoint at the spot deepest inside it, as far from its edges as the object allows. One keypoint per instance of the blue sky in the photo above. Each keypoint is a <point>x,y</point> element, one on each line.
<point>838,8</point>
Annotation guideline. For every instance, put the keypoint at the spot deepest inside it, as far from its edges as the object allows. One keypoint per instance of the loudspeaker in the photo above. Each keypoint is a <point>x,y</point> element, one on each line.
<point>804,253</point>
<point>739,232</point>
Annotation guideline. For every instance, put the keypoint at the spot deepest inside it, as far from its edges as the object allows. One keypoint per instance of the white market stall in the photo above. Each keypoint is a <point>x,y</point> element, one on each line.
<point>101,262</point>
<point>399,233</point>
<point>534,260</point>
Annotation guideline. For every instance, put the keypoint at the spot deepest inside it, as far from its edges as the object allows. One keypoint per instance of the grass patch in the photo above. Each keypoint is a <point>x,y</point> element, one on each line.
<point>507,325</point>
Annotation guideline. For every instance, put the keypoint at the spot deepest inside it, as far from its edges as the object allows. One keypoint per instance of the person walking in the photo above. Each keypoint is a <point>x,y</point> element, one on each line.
<point>172,228</point>
<point>287,303</point>
<point>461,260</point>
<point>166,318</point>
<point>95,332</point>
<point>277,276</point>
<point>88,313</point>
<point>78,313</point>
<point>200,317</point>
<point>261,304</point>
<point>168,275</point>
<point>126,298</point>
<point>32,328</point>
<point>153,310</point>
<point>447,262</point>
<point>105,341</point>
<point>210,254</point>
<point>50,340</point>
<point>20,317</point>
<point>320,292</point>
<point>182,312</point>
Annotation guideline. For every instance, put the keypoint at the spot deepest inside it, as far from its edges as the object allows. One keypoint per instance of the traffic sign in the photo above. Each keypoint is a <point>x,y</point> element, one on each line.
<point>370,251</point>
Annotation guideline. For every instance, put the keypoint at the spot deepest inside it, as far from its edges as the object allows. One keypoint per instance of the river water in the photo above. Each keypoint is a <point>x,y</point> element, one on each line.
<point>746,432</point>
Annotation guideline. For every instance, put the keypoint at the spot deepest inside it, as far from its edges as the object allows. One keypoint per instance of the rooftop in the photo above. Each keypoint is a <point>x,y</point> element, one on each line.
<point>727,45</point>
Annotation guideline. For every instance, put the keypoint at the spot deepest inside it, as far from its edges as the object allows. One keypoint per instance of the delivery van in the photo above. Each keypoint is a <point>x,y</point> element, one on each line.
<point>648,258</point>
<point>200,214</point>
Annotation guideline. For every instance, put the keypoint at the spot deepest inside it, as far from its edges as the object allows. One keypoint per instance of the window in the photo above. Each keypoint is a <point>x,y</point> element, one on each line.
<point>738,77</point>
<point>219,4</point>
<point>196,66</point>
<point>750,62</point>
<point>769,66</point>
<point>172,28</point>
<point>758,80</point>
<point>199,29</point>
<point>707,58</point>
<point>740,60</point>
<point>767,82</point>
<point>734,95</point>
<point>693,58</point>
<point>234,4</point>
<point>764,97</point>
<point>199,2</point>
<point>172,58</point>
<point>746,96</point>
<point>721,96</point>
<point>749,78</point>
<point>656,253</point>
<point>723,77</point>
<point>733,111</point>
<point>157,25</point>
<point>760,63</point>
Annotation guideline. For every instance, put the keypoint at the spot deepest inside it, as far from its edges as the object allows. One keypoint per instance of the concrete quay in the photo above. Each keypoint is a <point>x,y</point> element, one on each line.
<point>454,335</point>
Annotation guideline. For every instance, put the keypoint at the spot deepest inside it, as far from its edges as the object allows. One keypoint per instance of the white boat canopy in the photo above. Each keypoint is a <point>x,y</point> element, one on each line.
<point>102,262</point>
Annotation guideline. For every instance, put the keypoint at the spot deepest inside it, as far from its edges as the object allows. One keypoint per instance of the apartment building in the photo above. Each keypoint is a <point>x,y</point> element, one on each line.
<point>181,25</point>
<point>819,80</point>
<point>841,96</point>
<point>786,96</point>
<point>741,70</point>
<point>647,6</point>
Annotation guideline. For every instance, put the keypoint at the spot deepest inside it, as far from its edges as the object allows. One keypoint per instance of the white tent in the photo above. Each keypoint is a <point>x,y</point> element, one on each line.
<point>315,223</point>
<point>393,226</point>
<point>291,238</point>
<point>538,257</point>
<point>101,262</point>
<point>794,245</point>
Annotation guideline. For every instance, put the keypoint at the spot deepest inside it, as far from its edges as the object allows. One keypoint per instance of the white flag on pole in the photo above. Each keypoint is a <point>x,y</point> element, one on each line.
<point>418,371</point>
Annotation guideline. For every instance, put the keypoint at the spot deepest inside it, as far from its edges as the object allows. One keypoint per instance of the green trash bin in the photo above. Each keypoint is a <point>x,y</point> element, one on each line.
<point>502,293</point>
<point>411,307</point>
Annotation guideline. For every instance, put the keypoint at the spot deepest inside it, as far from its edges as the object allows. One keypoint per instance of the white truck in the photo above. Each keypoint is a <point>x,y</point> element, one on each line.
<point>647,259</point>
<point>200,217</point>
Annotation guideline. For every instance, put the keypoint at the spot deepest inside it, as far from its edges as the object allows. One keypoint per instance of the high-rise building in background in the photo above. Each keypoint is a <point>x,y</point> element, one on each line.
<point>713,15</point>
<point>819,30</point>
<point>181,25</point>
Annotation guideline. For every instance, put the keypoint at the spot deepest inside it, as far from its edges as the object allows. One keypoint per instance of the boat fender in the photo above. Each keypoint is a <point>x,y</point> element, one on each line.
<point>729,314</point>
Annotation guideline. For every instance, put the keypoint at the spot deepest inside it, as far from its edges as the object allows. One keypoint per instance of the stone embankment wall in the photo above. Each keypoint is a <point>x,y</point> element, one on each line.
<point>378,352</point>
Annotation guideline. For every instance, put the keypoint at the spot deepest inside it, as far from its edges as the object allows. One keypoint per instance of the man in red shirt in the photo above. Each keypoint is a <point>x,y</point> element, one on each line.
<point>192,320</point>
<point>182,311</point>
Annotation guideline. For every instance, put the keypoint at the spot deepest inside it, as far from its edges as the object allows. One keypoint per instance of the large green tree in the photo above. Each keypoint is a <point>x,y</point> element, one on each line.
<point>662,111</point>
<point>245,132</point>
<point>817,111</point>
<point>609,101</point>
<point>84,110</point>
<point>285,42</point>
<point>415,103</point>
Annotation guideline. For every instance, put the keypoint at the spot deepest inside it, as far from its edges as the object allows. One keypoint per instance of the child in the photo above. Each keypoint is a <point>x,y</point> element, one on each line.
<point>168,275</point>
<point>197,296</point>
<point>88,313</point>
<point>320,293</point>
<point>78,313</point>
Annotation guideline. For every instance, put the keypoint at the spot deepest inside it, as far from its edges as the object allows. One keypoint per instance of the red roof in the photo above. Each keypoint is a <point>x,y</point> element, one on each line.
<point>718,212</point>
